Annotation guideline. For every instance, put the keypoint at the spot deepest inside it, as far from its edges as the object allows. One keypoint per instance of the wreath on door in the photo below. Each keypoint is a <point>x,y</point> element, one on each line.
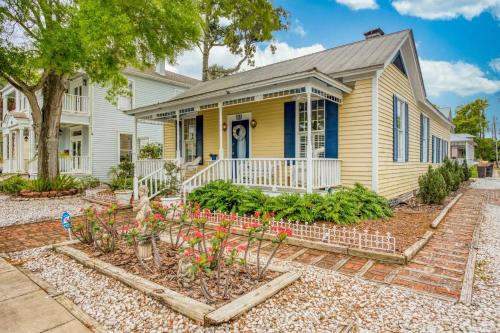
<point>239,132</point>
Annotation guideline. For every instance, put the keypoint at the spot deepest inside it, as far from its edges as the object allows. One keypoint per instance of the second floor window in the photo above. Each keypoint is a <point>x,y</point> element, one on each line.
<point>127,102</point>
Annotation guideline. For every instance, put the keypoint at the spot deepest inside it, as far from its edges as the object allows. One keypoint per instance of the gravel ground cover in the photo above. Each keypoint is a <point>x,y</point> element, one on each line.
<point>14,211</point>
<point>486,183</point>
<point>319,302</point>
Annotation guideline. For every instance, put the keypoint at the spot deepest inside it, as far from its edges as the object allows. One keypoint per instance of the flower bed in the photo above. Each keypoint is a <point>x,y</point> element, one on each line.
<point>197,264</point>
<point>47,194</point>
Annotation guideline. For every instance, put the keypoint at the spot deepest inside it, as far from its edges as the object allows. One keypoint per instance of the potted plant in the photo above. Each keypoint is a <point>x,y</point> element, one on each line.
<point>122,182</point>
<point>172,185</point>
<point>213,156</point>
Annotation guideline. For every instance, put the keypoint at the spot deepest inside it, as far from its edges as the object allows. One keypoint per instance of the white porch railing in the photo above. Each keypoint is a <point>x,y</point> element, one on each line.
<point>75,103</point>
<point>275,173</point>
<point>148,166</point>
<point>74,164</point>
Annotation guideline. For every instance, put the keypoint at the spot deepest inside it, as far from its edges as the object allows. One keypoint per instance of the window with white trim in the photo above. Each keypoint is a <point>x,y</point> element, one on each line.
<point>126,102</point>
<point>317,128</point>
<point>189,139</point>
<point>126,147</point>
<point>400,123</point>
<point>425,139</point>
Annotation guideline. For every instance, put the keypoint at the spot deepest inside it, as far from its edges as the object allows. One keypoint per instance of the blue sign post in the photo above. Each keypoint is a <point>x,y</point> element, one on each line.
<point>66,223</point>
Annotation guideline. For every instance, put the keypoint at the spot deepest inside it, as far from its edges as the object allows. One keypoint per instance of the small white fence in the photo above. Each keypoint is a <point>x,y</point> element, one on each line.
<point>330,235</point>
<point>275,173</point>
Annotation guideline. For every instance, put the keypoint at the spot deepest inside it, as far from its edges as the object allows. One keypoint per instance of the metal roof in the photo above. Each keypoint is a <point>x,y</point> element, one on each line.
<point>461,137</point>
<point>367,53</point>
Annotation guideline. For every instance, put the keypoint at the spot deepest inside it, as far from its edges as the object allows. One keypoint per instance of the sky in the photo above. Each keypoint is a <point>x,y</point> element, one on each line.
<point>458,41</point>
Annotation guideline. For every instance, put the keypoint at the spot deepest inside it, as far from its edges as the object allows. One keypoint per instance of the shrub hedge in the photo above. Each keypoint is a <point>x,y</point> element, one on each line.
<point>344,206</point>
<point>436,184</point>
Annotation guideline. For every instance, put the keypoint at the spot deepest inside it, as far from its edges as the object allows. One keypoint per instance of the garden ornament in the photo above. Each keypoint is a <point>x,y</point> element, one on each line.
<point>142,207</point>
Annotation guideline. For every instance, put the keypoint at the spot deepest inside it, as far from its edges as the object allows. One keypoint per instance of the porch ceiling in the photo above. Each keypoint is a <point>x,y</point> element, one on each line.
<point>320,85</point>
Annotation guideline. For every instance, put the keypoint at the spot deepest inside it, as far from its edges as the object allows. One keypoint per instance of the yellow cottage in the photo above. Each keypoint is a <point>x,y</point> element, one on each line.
<point>353,113</point>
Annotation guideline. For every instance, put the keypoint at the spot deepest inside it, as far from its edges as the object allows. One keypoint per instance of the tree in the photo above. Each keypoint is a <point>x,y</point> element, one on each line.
<point>471,118</point>
<point>43,43</point>
<point>485,149</point>
<point>239,25</point>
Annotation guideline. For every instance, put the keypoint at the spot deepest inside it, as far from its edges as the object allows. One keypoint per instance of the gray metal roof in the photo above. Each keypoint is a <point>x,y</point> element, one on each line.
<point>362,54</point>
<point>461,137</point>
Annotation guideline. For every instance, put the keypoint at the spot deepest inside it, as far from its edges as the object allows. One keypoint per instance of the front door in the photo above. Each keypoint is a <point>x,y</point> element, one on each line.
<point>240,136</point>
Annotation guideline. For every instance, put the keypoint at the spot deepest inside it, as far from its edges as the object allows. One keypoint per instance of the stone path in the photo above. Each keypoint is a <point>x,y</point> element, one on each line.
<point>26,308</point>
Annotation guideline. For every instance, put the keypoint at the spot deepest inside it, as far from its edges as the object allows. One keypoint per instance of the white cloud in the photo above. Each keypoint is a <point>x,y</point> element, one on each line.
<point>298,29</point>
<point>459,77</point>
<point>495,65</point>
<point>446,9</point>
<point>359,4</point>
<point>189,63</point>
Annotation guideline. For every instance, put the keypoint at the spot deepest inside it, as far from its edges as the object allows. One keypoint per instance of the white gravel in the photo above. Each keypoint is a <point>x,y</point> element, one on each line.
<point>486,184</point>
<point>317,303</point>
<point>13,211</point>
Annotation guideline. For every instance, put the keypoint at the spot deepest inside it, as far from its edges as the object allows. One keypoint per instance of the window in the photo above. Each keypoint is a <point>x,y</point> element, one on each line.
<point>425,139</point>
<point>400,122</point>
<point>317,129</point>
<point>127,102</point>
<point>126,147</point>
<point>189,139</point>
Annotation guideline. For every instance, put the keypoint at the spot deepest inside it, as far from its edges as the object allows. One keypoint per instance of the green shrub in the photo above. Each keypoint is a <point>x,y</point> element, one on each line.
<point>294,207</point>
<point>13,184</point>
<point>64,183</point>
<point>432,186</point>
<point>465,170</point>
<point>39,185</point>
<point>473,172</point>
<point>151,151</point>
<point>122,176</point>
<point>343,207</point>
<point>458,170</point>
<point>87,182</point>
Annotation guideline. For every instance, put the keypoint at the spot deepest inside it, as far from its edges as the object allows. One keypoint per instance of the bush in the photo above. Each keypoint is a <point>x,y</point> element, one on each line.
<point>88,182</point>
<point>60,183</point>
<point>432,186</point>
<point>122,176</point>
<point>151,151</point>
<point>13,184</point>
<point>343,207</point>
<point>465,170</point>
<point>473,171</point>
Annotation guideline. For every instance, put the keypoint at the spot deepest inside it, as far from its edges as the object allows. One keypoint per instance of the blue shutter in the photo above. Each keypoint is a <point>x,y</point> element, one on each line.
<point>178,134</point>
<point>428,137</point>
<point>331,130</point>
<point>199,138</point>
<point>289,122</point>
<point>438,150</point>
<point>422,137</point>
<point>433,149</point>
<point>407,133</point>
<point>394,128</point>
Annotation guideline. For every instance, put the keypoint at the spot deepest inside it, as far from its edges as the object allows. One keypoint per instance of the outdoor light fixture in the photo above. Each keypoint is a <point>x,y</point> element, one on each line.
<point>224,127</point>
<point>253,123</point>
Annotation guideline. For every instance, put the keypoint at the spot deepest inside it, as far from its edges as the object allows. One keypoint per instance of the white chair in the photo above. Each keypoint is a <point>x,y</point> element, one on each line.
<point>190,166</point>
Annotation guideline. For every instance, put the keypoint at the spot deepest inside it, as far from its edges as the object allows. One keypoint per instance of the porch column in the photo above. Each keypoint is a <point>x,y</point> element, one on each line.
<point>32,164</point>
<point>21,149</point>
<point>134,160</point>
<point>4,149</point>
<point>309,169</point>
<point>11,155</point>
<point>221,145</point>
<point>178,145</point>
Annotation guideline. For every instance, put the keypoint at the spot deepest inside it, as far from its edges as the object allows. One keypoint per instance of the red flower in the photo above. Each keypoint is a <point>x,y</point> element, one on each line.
<point>242,248</point>
<point>257,215</point>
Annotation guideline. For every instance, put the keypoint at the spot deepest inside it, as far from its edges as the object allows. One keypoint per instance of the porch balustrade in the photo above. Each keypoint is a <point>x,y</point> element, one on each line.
<point>272,173</point>
<point>74,164</point>
<point>75,103</point>
<point>147,166</point>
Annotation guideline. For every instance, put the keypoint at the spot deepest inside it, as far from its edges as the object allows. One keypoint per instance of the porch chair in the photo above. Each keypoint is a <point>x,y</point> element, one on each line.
<point>190,167</point>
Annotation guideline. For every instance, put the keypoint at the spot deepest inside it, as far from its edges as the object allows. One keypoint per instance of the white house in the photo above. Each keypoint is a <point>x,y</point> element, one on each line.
<point>462,147</point>
<point>94,134</point>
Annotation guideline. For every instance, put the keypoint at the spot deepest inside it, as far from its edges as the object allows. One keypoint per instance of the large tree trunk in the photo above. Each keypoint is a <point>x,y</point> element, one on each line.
<point>48,139</point>
<point>206,53</point>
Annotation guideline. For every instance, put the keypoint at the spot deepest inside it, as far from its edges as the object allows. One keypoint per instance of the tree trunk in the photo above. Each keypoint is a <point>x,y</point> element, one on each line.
<point>48,140</point>
<point>206,53</point>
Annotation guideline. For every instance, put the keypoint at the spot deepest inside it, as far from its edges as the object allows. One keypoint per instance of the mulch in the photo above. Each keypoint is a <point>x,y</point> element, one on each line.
<point>125,258</point>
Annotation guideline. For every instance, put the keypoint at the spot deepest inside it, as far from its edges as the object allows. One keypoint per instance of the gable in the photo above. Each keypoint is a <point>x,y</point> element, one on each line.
<point>399,63</point>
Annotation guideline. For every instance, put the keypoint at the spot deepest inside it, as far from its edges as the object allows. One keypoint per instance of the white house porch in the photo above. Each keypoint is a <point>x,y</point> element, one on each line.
<point>309,161</point>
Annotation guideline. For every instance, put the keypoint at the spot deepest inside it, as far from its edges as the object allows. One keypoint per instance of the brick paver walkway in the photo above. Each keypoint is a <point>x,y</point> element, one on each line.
<point>27,236</point>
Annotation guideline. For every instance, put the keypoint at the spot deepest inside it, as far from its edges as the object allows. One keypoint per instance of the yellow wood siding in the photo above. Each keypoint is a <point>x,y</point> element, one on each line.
<point>396,178</point>
<point>355,135</point>
<point>169,140</point>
